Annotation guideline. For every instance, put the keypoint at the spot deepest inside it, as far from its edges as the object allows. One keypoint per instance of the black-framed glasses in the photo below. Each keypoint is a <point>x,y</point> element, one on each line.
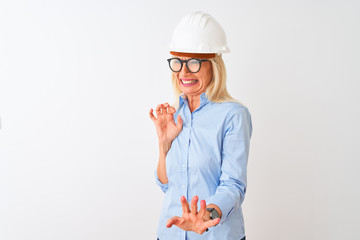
<point>192,64</point>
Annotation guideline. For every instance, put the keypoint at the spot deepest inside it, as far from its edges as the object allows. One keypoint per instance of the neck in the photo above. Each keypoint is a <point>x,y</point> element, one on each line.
<point>194,102</point>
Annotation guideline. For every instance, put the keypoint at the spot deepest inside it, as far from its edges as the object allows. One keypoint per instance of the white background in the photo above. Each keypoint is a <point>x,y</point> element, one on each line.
<point>78,152</point>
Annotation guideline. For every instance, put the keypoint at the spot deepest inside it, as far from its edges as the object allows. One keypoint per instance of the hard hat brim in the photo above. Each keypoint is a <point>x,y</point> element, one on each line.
<point>194,55</point>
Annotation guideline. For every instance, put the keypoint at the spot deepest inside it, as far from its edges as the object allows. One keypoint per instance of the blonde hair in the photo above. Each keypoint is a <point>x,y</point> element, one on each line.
<point>216,91</point>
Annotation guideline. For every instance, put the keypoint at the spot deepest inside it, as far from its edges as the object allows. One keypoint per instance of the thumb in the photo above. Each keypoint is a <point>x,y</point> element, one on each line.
<point>179,122</point>
<point>174,220</point>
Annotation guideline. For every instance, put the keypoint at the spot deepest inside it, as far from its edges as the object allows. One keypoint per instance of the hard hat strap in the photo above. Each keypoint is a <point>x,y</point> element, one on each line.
<point>194,55</point>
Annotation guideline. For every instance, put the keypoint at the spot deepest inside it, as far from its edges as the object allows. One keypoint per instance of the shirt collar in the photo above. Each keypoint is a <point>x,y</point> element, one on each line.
<point>203,100</point>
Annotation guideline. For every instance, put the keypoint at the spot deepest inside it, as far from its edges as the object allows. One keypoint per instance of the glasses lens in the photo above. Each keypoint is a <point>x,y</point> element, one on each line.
<point>175,65</point>
<point>193,65</point>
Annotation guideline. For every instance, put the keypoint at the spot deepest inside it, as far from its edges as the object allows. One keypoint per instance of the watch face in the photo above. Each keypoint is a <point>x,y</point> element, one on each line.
<point>213,213</point>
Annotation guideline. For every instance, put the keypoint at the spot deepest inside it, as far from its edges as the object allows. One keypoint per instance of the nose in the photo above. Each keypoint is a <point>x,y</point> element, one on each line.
<point>184,69</point>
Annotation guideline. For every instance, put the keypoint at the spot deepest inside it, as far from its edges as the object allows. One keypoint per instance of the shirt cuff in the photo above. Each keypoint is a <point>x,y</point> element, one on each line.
<point>164,187</point>
<point>225,203</point>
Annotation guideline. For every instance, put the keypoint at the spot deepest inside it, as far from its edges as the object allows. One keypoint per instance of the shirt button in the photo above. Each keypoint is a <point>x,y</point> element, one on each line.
<point>183,186</point>
<point>183,165</point>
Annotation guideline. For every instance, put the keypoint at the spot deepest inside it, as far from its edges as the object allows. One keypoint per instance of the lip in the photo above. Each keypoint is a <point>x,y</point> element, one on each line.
<point>187,82</point>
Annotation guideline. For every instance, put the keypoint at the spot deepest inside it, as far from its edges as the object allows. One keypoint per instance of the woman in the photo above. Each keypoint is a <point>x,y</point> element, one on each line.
<point>204,141</point>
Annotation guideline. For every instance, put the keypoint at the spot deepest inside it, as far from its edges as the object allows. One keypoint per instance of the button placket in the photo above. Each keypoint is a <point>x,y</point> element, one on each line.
<point>184,173</point>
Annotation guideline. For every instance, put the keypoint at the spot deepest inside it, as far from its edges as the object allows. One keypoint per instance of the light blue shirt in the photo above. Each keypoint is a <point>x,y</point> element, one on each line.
<point>208,159</point>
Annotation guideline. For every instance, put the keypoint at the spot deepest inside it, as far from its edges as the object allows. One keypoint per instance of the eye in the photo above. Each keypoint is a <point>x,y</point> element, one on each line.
<point>194,65</point>
<point>175,64</point>
<point>193,62</point>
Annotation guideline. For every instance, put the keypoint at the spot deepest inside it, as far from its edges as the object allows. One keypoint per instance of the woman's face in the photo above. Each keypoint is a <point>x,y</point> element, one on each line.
<point>194,84</point>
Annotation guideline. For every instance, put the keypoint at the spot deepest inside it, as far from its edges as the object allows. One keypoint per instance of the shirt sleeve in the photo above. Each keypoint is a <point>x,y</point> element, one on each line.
<point>164,187</point>
<point>231,192</point>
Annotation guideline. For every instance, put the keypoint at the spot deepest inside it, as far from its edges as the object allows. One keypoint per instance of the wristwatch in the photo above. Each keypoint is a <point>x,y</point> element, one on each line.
<point>213,213</point>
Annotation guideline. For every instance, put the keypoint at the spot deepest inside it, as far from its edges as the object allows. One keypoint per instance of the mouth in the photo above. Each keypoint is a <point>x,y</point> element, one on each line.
<point>188,82</point>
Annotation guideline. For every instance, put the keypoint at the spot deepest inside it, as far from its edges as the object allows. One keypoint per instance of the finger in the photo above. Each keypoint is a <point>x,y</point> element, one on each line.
<point>184,204</point>
<point>202,208</point>
<point>174,220</point>
<point>194,205</point>
<point>171,110</point>
<point>151,115</point>
<point>158,110</point>
<point>170,113</point>
<point>212,223</point>
<point>164,108</point>
<point>179,124</point>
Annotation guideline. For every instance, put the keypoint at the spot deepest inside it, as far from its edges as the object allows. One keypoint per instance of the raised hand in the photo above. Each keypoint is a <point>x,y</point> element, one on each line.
<point>191,219</point>
<point>166,128</point>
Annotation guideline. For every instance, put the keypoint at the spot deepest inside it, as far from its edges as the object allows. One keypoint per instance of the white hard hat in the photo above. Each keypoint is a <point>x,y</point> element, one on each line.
<point>199,33</point>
